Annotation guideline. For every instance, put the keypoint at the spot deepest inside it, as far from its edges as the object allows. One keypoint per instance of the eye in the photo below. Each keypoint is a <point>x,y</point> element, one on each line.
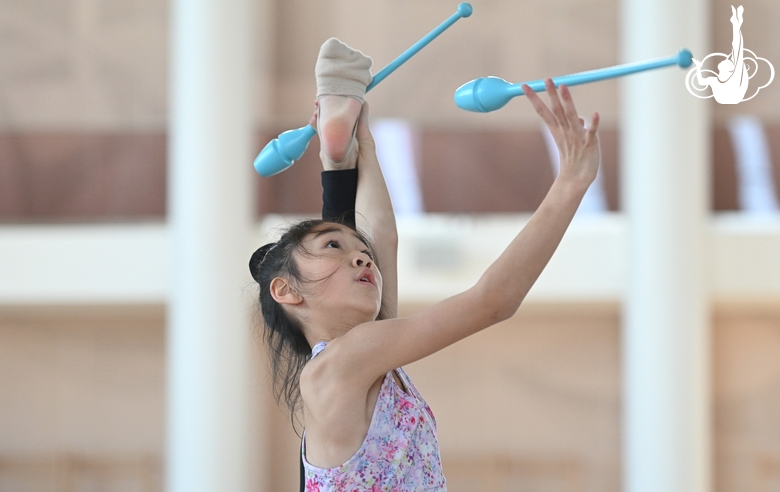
<point>369,254</point>
<point>333,244</point>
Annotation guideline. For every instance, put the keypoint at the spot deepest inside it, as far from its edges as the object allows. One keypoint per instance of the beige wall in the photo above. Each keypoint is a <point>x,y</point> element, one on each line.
<point>90,65</point>
<point>746,371</point>
<point>533,402</point>
<point>83,65</point>
<point>82,399</point>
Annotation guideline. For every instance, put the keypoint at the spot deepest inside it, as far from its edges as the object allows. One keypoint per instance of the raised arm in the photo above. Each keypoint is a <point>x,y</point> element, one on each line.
<point>380,346</point>
<point>375,216</point>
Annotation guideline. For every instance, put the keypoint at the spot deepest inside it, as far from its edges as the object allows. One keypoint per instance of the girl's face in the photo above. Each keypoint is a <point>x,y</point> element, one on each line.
<point>339,272</point>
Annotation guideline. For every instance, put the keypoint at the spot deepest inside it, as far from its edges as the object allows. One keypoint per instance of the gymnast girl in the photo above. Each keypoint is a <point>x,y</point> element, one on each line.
<point>328,294</point>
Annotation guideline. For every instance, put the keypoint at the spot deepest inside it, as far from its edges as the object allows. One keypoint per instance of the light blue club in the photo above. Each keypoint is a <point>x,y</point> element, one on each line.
<point>487,94</point>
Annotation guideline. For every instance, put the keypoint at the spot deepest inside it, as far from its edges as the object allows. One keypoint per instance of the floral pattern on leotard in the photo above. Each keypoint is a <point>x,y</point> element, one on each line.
<point>400,451</point>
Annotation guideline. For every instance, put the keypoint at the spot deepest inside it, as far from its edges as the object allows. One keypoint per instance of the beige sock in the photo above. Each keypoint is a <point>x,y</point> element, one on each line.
<point>342,71</point>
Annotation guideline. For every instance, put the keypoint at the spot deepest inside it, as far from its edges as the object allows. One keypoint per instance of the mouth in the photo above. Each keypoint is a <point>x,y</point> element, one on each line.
<point>366,277</point>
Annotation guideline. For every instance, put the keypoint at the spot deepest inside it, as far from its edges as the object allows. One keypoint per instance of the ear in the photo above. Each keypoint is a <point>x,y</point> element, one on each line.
<point>283,292</point>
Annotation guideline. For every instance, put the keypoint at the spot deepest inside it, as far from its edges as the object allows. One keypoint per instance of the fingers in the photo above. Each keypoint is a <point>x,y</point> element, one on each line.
<point>570,111</point>
<point>541,109</point>
<point>577,144</point>
<point>363,130</point>
<point>555,103</point>
<point>313,120</point>
<point>366,145</point>
<point>562,113</point>
<point>595,119</point>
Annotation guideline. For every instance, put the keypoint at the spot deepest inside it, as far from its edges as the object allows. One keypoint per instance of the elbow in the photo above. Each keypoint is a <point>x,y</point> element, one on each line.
<point>495,305</point>
<point>504,312</point>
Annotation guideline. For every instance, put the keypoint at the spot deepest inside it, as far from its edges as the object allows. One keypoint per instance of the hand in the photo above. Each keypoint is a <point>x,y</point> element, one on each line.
<point>365,140</point>
<point>697,62</point>
<point>578,147</point>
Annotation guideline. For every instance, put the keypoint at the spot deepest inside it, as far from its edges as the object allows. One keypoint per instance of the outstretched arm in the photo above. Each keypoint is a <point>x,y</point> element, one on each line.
<point>375,215</point>
<point>380,346</point>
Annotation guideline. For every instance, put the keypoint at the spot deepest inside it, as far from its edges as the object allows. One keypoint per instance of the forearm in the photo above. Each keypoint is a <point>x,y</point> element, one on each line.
<point>374,214</point>
<point>372,202</point>
<point>505,284</point>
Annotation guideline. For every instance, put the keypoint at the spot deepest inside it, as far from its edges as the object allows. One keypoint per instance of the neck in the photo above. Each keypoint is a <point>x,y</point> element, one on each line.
<point>324,327</point>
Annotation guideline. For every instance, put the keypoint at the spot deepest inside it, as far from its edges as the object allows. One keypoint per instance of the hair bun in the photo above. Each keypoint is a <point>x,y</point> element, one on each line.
<point>256,261</point>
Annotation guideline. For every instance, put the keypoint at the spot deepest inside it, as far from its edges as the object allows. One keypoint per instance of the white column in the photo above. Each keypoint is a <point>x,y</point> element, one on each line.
<point>209,209</point>
<point>665,159</point>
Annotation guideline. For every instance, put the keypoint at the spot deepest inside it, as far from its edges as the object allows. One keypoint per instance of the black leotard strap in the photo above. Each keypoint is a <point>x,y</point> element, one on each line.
<point>303,477</point>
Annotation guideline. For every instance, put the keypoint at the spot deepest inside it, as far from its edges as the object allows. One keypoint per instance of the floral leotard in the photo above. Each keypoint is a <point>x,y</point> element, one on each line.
<point>400,451</point>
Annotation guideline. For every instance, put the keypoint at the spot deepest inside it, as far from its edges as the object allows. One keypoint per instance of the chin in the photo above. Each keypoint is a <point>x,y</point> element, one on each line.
<point>373,313</point>
<point>363,313</point>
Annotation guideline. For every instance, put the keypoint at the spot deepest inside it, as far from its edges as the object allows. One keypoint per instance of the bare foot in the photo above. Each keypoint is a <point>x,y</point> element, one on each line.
<point>337,118</point>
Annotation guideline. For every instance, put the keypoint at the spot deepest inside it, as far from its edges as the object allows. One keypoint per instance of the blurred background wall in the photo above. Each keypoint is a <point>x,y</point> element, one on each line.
<point>83,276</point>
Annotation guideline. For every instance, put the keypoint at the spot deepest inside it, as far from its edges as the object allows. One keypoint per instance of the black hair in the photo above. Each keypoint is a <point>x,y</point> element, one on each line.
<point>288,348</point>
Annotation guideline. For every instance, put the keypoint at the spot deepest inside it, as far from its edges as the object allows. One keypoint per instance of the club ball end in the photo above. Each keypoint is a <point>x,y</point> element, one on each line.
<point>684,58</point>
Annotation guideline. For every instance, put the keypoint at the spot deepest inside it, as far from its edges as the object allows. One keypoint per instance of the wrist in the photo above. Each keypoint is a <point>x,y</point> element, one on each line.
<point>572,184</point>
<point>572,187</point>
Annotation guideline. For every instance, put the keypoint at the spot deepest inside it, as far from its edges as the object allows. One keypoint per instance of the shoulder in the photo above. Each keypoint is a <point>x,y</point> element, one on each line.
<point>311,374</point>
<point>336,413</point>
<point>325,380</point>
<point>314,374</point>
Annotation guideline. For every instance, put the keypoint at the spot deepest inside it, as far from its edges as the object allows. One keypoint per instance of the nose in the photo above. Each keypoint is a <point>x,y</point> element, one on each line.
<point>362,260</point>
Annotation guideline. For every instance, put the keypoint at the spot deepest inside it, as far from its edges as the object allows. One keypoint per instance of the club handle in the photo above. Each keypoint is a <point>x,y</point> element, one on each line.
<point>682,58</point>
<point>464,10</point>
